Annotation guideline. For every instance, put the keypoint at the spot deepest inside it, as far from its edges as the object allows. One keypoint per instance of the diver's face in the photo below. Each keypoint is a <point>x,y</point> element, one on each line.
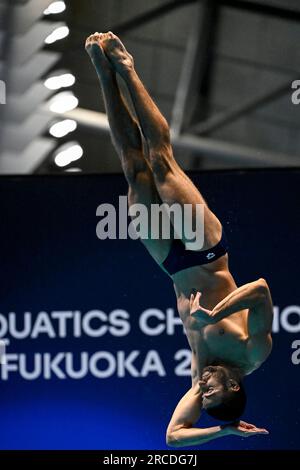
<point>212,384</point>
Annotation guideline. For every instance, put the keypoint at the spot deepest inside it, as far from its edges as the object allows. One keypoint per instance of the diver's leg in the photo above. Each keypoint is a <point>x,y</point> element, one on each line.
<point>125,132</point>
<point>127,141</point>
<point>172,184</point>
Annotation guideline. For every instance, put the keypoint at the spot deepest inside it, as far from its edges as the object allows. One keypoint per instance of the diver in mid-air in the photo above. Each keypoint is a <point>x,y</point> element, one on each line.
<point>228,328</point>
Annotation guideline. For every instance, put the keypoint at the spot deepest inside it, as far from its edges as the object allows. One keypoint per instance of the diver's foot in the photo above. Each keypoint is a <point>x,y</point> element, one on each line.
<point>116,52</point>
<point>95,50</point>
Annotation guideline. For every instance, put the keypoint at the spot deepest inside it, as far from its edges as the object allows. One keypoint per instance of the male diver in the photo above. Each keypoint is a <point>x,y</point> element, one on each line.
<point>228,328</point>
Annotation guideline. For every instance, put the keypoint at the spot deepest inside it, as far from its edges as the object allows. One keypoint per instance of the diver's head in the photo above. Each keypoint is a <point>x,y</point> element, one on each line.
<point>223,395</point>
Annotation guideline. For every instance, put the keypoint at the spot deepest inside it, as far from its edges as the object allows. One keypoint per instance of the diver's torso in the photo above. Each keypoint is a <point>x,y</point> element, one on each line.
<point>223,342</point>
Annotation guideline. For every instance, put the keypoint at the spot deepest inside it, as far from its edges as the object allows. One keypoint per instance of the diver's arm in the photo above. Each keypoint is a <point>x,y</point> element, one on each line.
<point>181,433</point>
<point>254,296</point>
<point>260,321</point>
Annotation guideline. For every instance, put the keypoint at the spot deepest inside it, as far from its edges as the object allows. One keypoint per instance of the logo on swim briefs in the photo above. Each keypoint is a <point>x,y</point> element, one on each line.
<point>210,255</point>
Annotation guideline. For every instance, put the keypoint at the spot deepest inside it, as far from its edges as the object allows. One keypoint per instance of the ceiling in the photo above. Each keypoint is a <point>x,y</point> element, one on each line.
<point>220,71</point>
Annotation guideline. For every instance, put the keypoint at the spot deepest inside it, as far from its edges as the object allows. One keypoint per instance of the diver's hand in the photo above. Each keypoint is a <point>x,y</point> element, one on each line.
<point>198,312</point>
<point>242,429</point>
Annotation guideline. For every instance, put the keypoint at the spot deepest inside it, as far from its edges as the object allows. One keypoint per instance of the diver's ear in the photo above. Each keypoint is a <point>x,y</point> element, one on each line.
<point>233,385</point>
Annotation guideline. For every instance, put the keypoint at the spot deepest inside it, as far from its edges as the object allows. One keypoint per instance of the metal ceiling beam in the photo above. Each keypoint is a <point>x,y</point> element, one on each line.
<point>263,9</point>
<point>196,68</point>
<point>182,97</point>
<point>217,150</point>
<point>151,15</point>
<point>16,138</point>
<point>143,18</point>
<point>22,77</point>
<point>24,46</point>
<point>25,15</point>
<point>28,160</point>
<point>247,5</point>
<point>19,107</point>
<point>233,153</point>
<point>228,117</point>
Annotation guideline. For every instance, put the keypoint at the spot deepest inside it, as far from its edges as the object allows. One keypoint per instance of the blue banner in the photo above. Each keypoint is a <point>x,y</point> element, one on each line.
<point>96,356</point>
